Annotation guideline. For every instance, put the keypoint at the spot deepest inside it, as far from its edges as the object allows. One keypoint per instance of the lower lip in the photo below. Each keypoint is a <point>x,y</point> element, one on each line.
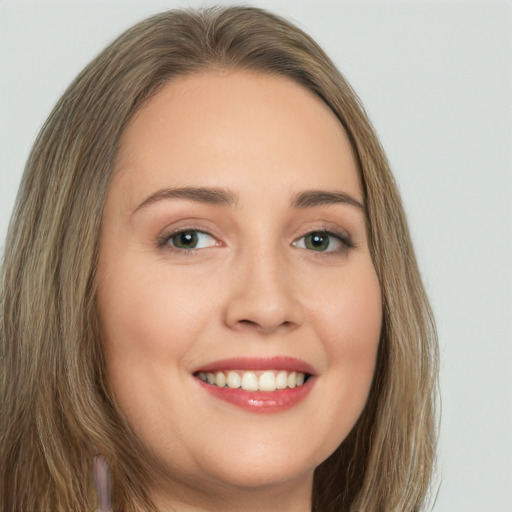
<point>261,401</point>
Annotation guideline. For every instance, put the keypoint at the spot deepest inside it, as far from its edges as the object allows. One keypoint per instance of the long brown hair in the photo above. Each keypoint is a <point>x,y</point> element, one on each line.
<point>58,410</point>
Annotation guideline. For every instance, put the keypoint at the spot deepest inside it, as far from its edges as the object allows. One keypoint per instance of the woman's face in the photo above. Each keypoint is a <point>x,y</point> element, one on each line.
<point>234,253</point>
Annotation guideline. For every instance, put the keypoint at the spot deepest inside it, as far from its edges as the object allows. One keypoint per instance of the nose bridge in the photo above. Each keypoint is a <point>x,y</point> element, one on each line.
<point>263,294</point>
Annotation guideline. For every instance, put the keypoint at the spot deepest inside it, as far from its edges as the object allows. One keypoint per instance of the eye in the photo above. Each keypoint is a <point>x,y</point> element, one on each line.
<point>323,241</point>
<point>191,239</point>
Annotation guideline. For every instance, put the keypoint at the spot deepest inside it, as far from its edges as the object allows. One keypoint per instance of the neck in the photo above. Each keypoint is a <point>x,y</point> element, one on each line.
<point>284,497</point>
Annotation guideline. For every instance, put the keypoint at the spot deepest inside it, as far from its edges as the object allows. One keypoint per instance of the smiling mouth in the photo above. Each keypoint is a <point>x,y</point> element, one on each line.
<point>268,380</point>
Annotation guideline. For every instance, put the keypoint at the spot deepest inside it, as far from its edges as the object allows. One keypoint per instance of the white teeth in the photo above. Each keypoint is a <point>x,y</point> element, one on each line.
<point>249,381</point>
<point>269,380</point>
<point>282,380</point>
<point>233,380</point>
<point>220,379</point>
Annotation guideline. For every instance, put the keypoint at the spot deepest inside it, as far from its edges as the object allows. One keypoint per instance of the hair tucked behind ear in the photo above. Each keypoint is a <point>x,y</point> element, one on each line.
<point>58,410</point>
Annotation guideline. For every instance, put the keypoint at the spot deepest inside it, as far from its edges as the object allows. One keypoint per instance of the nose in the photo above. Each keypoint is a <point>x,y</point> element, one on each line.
<point>262,297</point>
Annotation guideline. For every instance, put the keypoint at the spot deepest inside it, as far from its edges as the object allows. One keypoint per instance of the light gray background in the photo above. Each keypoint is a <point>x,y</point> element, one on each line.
<point>436,79</point>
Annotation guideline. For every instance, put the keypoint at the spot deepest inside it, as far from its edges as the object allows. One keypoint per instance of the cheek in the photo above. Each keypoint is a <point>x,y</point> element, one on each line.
<point>354,344</point>
<point>151,319</point>
<point>350,324</point>
<point>360,317</point>
<point>349,313</point>
<point>151,312</point>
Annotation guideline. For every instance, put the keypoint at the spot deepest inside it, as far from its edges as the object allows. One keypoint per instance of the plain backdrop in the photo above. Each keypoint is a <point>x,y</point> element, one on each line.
<point>436,79</point>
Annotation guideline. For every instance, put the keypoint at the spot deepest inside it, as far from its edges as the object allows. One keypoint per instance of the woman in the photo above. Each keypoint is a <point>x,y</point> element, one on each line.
<point>209,281</point>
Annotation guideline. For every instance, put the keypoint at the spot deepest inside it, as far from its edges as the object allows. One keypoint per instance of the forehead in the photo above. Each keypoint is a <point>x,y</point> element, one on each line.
<point>204,128</point>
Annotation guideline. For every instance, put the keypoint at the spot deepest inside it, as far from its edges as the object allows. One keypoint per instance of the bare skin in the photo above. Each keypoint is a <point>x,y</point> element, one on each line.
<point>216,245</point>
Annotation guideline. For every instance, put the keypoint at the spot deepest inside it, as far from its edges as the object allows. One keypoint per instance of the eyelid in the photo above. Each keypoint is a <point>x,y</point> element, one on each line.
<point>342,238</point>
<point>163,239</point>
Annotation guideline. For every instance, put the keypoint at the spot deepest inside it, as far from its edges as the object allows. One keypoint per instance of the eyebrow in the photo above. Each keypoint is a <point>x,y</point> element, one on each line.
<point>312,198</point>
<point>217,196</point>
<point>224,197</point>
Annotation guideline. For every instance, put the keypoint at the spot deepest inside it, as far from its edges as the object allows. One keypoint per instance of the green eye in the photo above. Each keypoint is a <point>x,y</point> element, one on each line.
<point>323,241</point>
<point>191,239</point>
<point>317,241</point>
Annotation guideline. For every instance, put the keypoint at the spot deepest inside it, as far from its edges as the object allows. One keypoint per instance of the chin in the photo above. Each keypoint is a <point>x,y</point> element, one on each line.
<point>264,464</point>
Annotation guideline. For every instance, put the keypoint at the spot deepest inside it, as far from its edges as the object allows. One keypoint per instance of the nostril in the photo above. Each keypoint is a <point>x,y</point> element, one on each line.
<point>259,312</point>
<point>263,327</point>
<point>248,323</point>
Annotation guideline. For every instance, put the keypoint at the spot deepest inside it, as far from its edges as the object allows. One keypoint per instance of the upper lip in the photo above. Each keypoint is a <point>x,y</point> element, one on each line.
<point>258,363</point>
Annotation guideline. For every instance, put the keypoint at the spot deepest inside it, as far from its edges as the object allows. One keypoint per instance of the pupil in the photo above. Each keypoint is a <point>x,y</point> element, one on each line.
<point>185,239</point>
<point>318,241</point>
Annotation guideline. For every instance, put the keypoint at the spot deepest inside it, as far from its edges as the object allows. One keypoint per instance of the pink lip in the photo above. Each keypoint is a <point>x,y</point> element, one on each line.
<point>259,363</point>
<point>260,401</point>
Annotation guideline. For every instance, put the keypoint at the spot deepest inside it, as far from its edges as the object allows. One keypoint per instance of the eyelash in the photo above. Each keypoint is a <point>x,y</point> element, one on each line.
<point>163,241</point>
<point>341,238</point>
